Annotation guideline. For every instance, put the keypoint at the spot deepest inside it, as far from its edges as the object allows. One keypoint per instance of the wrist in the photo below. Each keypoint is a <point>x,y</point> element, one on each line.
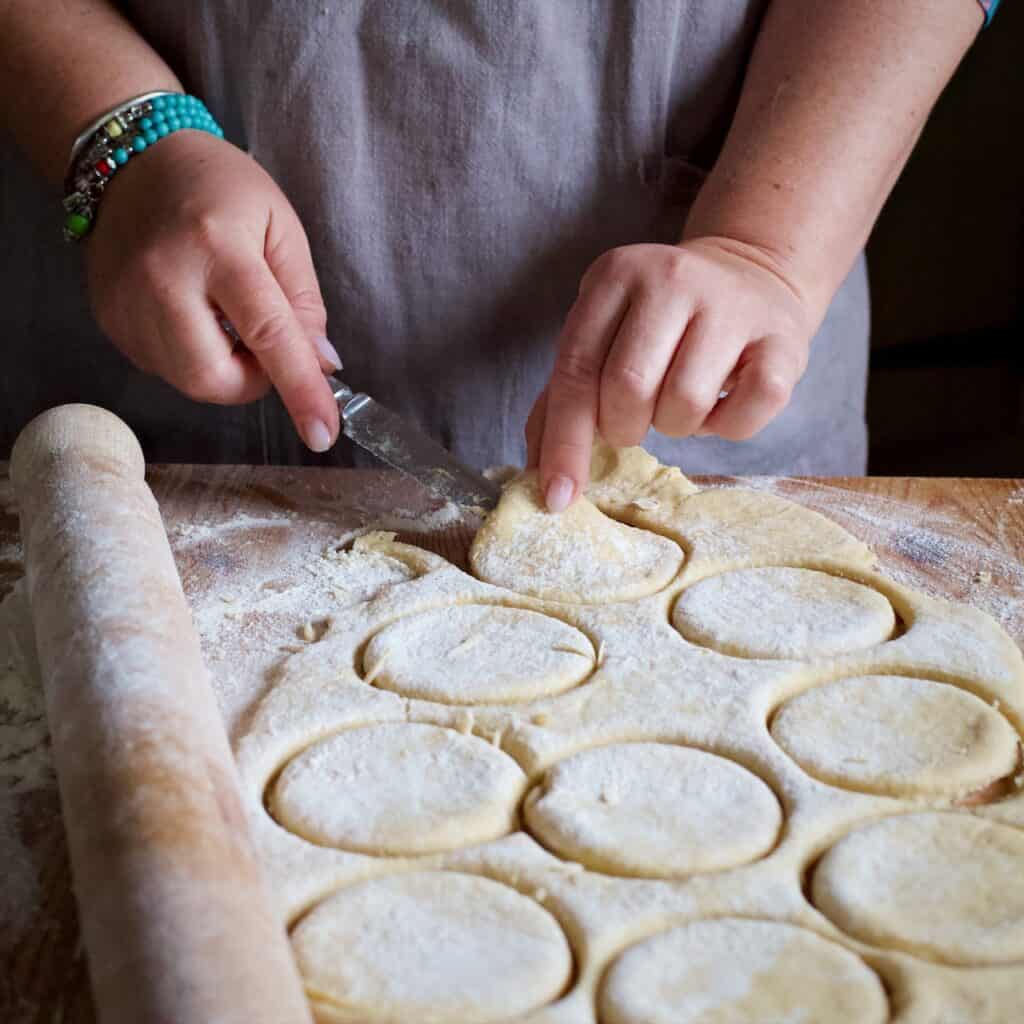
<point>118,136</point>
<point>807,293</point>
<point>764,221</point>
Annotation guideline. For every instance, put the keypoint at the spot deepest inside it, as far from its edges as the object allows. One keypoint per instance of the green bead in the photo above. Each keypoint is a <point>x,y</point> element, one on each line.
<point>162,130</point>
<point>77,224</point>
<point>120,156</point>
<point>159,102</point>
<point>138,143</point>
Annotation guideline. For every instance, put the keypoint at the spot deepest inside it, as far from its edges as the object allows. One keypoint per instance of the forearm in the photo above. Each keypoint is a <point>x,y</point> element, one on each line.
<point>64,63</point>
<point>834,99</point>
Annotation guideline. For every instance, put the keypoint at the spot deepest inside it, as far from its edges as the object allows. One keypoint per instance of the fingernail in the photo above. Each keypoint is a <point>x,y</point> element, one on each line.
<point>559,493</point>
<point>327,350</point>
<point>317,436</point>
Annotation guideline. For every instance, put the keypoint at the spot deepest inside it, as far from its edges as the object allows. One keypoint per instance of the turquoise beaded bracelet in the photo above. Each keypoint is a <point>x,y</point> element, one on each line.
<point>112,140</point>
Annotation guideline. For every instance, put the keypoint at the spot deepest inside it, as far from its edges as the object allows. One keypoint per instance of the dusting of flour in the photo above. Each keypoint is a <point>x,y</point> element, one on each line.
<point>252,617</point>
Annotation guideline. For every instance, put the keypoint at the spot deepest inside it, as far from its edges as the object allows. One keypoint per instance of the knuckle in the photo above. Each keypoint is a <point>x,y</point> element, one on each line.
<point>266,332</point>
<point>613,265</point>
<point>567,450</point>
<point>208,229</point>
<point>574,372</point>
<point>626,385</point>
<point>677,267</point>
<point>309,300</point>
<point>207,382</point>
<point>773,385</point>
<point>689,404</point>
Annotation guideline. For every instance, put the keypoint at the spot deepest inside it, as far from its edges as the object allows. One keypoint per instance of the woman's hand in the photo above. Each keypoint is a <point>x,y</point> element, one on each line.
<point>657,334</point>
<point>194,230</point>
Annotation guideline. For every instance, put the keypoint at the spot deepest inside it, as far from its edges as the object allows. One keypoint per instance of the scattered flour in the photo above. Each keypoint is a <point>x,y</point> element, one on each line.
<point>251,618</point>
<point>195,532</point>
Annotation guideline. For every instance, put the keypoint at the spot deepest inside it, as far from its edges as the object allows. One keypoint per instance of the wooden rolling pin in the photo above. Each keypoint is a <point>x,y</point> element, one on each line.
<point>176,920</point>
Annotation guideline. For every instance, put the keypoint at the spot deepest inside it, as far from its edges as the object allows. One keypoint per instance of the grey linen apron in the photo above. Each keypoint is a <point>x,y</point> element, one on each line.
<point>457,166</point>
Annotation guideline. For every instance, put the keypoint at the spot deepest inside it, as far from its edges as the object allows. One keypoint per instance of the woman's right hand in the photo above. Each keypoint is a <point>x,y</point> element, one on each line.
<point>194,230</point>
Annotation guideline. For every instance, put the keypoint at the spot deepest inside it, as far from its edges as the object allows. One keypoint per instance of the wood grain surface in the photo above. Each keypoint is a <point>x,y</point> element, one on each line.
<point>958,538</point>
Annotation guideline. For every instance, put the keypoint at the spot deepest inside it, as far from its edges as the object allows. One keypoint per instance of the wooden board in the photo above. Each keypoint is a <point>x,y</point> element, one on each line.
<point>962,539</point>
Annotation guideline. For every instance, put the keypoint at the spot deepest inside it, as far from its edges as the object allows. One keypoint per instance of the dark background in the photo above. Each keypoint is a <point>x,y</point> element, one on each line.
<point>946,392</point>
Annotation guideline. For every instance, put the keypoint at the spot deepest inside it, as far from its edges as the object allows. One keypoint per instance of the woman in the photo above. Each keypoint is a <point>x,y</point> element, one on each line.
<point>699,177</point>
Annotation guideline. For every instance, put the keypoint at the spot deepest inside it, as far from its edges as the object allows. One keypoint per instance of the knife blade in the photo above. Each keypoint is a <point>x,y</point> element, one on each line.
<point>404,446</point>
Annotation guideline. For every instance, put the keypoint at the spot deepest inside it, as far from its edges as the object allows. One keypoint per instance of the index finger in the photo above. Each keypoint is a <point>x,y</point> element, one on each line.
<point>573,394</point>
<point>253,301</point>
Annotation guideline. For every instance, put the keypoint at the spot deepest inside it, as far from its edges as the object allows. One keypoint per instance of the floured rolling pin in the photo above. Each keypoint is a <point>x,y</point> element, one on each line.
<point>175,917</point>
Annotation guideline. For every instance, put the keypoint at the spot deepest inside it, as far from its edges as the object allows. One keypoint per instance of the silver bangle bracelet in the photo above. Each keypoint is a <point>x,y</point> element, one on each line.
<point>111,140</point>
<point>90,130</point>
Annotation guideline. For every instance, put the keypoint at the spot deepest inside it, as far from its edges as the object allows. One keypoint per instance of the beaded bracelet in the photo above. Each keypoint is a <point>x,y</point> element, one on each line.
<point>112,140</point>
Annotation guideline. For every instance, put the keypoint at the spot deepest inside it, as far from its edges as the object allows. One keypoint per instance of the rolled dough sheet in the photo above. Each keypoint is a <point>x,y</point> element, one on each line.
<point>676,755</point>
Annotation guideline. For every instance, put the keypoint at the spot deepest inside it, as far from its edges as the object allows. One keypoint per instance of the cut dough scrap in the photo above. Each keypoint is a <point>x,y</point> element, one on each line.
<point>399,789</point>
<point>728,527</point>
<point>738,971</point>
<point>479,654</point>
<point>653,810</point>
<point>897,736</point>
<point>430,946</point>
<point>624,481</point>
<point>782,613</point>
<point>942,886</point>
<point>580,556</point>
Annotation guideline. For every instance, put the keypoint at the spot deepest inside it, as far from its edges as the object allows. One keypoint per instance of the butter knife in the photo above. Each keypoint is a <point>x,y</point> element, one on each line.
<point>404,446</point>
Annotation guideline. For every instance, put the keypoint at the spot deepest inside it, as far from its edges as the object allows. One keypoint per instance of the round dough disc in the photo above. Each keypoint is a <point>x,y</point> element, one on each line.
<point>897,736</point>
<point>733,971</point>
<point>479,654</point>
<point>431,946</point>
<point>782,613</point>
<point>943,886</point>
<point>579,556</point>
<point>398,789</point>
<point>653,810</point>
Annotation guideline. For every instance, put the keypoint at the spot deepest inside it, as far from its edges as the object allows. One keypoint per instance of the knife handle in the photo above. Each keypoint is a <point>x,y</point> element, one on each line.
<point>341,391</point>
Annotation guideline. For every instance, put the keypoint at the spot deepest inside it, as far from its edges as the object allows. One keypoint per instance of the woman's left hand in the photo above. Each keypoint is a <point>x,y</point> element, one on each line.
<point>656,335</point>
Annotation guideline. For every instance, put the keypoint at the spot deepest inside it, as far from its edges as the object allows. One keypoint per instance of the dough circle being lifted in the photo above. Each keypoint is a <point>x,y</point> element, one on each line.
<point>897,736</point>
<point>579,556</point>
<point>734,971</point>
<point>478,654</point>
<point>430,946</point>
<point>777,612</point>
<point>398,789</point>
<point>942,886</point>
<point>653,810</point>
